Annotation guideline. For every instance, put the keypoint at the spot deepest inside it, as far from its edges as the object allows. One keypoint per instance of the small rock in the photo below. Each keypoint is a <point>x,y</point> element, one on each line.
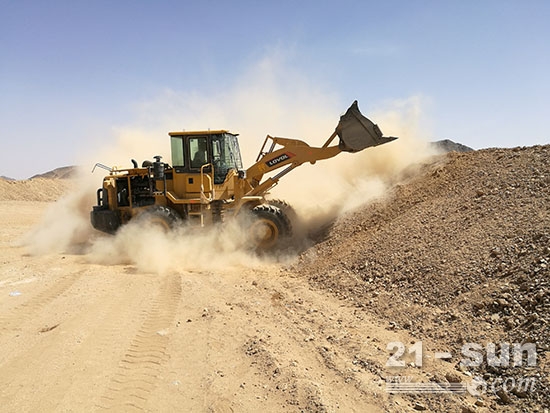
<point>479,403</point>
<point>520,393</point>
<point>453,378</point>
<point>501,302</point>
<point>503,396</point>
<point>495,252</point>
<point>419,406</point>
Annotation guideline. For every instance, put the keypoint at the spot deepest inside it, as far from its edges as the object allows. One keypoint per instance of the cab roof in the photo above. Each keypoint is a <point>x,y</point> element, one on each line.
<point>201,133</point>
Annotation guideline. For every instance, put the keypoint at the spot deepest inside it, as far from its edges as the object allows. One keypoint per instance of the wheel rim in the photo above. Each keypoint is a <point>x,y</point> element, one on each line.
<point>264,233</point>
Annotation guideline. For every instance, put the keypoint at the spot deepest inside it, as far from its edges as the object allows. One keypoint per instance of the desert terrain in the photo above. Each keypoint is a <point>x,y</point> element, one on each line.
<point>455,253</point>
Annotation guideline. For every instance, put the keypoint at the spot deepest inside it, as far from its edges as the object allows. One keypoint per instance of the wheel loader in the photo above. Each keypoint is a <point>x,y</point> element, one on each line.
<point>206,183</point>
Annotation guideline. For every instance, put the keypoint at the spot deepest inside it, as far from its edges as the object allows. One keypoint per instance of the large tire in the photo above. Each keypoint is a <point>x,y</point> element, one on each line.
<point>286,208</point>
<point>159,216</point>
<point>270,228</point>
<point>299,230</point>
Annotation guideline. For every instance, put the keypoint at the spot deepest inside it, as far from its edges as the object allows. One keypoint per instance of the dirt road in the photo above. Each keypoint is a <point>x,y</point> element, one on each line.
<point>77,336</point>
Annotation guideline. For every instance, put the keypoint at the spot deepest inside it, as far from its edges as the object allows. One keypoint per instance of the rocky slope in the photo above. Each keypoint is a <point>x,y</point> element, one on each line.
<point>459,255</point>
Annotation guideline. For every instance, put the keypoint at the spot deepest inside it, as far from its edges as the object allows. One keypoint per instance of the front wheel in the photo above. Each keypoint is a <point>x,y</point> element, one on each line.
<point>270,228</point>
<point>159,216</point>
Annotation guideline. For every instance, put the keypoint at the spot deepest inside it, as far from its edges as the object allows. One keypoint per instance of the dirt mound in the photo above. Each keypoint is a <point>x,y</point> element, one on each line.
<point>459,254</point>
<point>38,189</point>
<point>64,172</point>
<point>447,145</point>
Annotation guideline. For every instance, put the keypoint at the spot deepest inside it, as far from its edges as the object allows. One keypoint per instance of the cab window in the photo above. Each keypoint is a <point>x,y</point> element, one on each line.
<point>177,151</point>
<point>198,152</point>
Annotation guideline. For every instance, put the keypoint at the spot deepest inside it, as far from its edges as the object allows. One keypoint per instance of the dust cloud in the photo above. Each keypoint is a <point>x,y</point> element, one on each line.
<point>65,226</point>
<point>153,250</point>
<point>351,180</point>
<point>266,100</point>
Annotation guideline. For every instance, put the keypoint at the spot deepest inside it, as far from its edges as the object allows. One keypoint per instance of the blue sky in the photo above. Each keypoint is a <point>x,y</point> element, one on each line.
<point>72,73</point>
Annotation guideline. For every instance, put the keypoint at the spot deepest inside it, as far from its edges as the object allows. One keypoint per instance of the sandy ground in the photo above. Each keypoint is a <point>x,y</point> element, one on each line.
<point>78,337</point>
<point>313,334</point>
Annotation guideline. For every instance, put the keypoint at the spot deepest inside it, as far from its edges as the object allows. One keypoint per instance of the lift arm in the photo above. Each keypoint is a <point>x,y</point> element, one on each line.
<point>292,154</point>
<point>355,131</point>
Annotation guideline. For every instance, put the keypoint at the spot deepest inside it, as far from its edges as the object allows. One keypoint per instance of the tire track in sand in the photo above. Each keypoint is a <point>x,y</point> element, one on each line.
<point>142,362</point>
<point>22,313</point>
<point>77,360</point>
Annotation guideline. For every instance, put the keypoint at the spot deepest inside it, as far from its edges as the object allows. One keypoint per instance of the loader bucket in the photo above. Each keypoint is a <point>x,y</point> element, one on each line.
<point>356,132</point>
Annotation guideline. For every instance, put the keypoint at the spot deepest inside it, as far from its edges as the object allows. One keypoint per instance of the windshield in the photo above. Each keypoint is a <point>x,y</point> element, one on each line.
<point>225,156</point>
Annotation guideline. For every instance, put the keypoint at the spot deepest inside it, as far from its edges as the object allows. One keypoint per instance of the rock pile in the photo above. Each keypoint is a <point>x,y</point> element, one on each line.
<point>459,254</point>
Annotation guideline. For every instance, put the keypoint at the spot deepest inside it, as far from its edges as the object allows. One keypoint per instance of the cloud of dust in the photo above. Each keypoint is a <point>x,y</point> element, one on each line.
<point>267,99</point>
<point>151,249</point>
<point>65,226</point>
<point>351,180</point>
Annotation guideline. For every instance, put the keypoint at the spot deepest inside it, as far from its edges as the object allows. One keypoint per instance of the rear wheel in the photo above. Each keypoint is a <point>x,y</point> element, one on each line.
<point>270,228</point>
<point>159,216</point>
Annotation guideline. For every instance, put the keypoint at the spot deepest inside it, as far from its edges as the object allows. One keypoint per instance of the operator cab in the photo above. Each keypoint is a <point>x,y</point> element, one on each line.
<point>215,149</point>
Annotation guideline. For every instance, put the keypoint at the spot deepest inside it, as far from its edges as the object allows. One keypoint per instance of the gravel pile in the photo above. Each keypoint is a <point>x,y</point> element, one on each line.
<point>459,254</point>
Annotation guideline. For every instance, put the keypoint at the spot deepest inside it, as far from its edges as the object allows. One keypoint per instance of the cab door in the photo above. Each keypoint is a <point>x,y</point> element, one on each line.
<point>199,155</point>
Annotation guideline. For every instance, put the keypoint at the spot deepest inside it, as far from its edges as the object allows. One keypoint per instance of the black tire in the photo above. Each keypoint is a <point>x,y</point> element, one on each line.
<point>286,208</point>
<point>290,213</point>
<point>159,215</point>
<point>270,228</point>
<point>299,230</point>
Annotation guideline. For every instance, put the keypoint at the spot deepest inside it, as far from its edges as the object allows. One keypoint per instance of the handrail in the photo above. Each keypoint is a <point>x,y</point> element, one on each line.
<point>262,153</point>
<point>102,167</point>
<point>204,198</point>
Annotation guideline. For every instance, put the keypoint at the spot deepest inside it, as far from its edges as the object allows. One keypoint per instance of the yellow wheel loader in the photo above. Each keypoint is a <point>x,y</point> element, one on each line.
<point>207,184</point>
